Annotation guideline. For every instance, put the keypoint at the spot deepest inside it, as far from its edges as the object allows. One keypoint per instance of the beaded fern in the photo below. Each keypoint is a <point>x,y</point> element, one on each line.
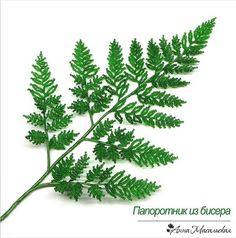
<point>109,100</point>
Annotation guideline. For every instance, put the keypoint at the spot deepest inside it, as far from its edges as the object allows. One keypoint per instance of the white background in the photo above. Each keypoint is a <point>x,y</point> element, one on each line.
<point>205,173</point>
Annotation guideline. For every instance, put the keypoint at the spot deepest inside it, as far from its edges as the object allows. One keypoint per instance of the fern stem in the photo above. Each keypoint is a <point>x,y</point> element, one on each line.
<point>46,132</point>
<point>48,151</point>
<point>22,197</point>
<point>89,111</point>
<point>47,140</point>
<point>91,117</point>
<point>48,155</point>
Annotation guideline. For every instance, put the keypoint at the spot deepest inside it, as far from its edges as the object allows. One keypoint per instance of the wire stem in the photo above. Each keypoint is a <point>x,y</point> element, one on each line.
<point>91,116</point>
<point>47,140</point>
<point>22,197</point>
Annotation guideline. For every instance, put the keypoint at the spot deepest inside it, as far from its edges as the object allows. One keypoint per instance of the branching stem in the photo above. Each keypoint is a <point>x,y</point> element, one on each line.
<point>22,197</point>
<point>47,143</point>
<point>38,184</point>
<point>91,117</point>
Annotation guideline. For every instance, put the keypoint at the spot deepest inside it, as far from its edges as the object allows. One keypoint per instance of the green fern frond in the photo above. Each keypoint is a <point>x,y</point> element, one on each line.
<point>36,137</point>
<point>84,70</point>
<point>62,140</point>
<point>116,75</point>
<point>63,168</point>
<point>127,188</point>
<point>136,67</point>
<point>72,189</point>
<point>121,137</point>
<point>79,106</point>
<point>147,116</point>
<point>195,41</point>
<point>101,100</point>
<point>79,167</point>
<point>68,168</point>
<point>59,123</point>
<point>98,173</point>
<point>138,85</point>
<point>91,95</point>
<point>96,191</point>
<point>83,65</point>
<point>102,129</point>
<point>52,116</point>
<point>155,58</point>
<point>165,81</point>
<point>159,98</point>
<point>42,86</point>
<point>35,119</point>
<point>139,152</point>
<point>121,144</point>
<point>144,154</point>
